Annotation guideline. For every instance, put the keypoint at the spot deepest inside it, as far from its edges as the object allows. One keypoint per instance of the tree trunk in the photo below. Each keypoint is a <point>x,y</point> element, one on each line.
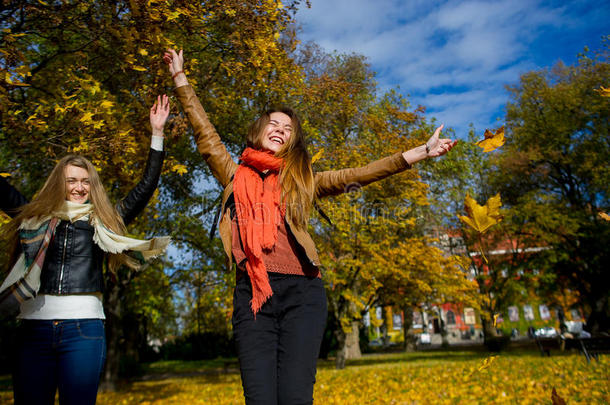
<point>489,332</point>
<point>113,337</point>
<point>598,320</point>
<point>349,345</point>
<point>443,329</point>
<point>409,337</point>
<point>341,353</point>
<point>352,342</point>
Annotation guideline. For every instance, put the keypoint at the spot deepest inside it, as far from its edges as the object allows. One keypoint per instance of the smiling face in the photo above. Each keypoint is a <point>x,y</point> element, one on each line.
<point>77,184</point>
<point>277,132</point>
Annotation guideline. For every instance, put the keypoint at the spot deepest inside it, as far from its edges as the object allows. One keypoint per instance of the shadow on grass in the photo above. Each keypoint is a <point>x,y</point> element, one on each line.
<point>430,356</point>
<point>413,357</point>
<point>190,366</point>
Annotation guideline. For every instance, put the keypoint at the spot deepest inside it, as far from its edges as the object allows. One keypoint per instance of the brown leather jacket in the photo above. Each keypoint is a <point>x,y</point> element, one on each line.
<point>223,168</point>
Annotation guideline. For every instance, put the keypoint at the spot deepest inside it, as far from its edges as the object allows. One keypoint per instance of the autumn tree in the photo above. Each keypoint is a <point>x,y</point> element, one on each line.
<point>80,76</point>
<point>373,244</point>
<point>555,169</point>
<point>470,175</point>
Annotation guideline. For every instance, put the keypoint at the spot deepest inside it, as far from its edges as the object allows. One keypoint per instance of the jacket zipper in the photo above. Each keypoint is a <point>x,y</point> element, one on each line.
<point>63,259</point>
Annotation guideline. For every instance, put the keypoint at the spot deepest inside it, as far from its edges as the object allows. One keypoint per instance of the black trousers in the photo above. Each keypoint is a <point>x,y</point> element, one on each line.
<point>278,349</point>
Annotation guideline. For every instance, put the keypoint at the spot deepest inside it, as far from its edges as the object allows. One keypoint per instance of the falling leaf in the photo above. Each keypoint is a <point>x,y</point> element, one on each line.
<point>496,319</point>
<point>557,400</point>
<point>492,141</point>
<point>180,169</point>
<point>480,218</point>
<point>485,364</point>
<point>5,175</point>
<point>603,91</point>
<point>604,216</point>
<point>317,156</point>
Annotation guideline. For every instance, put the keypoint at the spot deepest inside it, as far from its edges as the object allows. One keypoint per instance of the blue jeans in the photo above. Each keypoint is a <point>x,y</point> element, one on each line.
<point>66,354</point>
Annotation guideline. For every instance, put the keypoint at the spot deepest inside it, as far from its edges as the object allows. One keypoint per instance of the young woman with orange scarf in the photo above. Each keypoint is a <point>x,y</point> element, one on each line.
<point>279,303</point>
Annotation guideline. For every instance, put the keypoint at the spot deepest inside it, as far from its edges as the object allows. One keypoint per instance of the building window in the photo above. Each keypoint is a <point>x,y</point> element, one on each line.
<point>450,318</point>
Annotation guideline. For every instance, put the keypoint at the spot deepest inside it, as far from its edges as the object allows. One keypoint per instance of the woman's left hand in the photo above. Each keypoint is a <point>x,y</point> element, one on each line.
<point>158,114</point>
<point>439,146</point>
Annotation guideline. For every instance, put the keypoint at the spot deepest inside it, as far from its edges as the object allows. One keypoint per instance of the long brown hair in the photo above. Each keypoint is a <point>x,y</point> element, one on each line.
<point>52,195</point>
<point>296,176</point>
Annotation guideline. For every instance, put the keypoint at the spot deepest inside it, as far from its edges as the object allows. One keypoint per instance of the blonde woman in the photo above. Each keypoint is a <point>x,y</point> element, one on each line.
<point>60,241</point>
<point>279,303</point>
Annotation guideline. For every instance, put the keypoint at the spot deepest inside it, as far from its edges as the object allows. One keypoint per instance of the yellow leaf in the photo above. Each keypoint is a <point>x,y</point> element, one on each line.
<point>604,216</point>
<point>143,52</point>
<point>496,319</point>
<point>5,175</point>
<point>95,88</point>
<point>317,156</point>
<point>179,168</point>
<point>480,218</point>
<point>487,362</point>
<point>492,141</point>
<point>173,15</point>
<point>139,68</point>
<point>20,84</point>
<point>87,118</point>
<point>106,104</point>
<point>603,91</point>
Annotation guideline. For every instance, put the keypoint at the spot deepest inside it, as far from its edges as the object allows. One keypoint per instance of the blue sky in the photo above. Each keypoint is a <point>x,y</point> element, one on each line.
<point>455,57</point>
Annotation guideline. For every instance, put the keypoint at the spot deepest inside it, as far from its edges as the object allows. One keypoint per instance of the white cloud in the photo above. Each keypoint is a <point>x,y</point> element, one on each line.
<point>454,57</point>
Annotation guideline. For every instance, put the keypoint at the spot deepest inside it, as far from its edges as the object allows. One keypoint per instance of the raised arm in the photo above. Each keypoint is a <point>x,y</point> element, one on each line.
<point>135,201</point>
<point>10,198</point>
<point>208,141</point>
<point>335,182</point>
<point>339,181</point>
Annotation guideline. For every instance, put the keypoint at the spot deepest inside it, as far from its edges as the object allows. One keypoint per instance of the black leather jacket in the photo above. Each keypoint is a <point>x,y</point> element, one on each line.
<point>73,263</point>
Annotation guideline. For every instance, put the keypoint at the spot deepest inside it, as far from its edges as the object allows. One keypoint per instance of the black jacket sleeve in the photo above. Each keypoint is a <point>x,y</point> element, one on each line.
<point>130,206</point>
<point>10,198</point>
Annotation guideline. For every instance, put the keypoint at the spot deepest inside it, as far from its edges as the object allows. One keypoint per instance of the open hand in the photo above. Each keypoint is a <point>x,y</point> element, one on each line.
<point>439,146</point>
<point>158,114</point>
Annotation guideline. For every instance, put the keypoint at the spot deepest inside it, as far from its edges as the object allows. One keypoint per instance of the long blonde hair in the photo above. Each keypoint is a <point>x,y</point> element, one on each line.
<point>52,195</point>
<point>296,176</point>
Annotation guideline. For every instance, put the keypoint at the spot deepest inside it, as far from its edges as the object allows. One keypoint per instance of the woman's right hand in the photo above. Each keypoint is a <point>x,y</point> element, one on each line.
<point>175,61</point>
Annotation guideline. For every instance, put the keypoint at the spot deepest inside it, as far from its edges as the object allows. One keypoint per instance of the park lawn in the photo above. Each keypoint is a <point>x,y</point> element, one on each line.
<point>454,377</point>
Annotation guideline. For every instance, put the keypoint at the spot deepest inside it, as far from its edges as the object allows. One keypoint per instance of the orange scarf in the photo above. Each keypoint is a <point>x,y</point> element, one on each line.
<point>259,213</point>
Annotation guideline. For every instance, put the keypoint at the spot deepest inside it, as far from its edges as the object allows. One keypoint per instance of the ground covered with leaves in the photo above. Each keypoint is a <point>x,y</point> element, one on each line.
<point>415,378</point>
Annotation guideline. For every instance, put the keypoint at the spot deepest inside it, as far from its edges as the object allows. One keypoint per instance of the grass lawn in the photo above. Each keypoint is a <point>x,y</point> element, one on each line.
<point>432,377</point>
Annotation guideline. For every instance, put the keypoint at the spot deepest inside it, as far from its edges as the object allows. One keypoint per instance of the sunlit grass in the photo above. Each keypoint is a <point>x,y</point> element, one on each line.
<point>399,378</point>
